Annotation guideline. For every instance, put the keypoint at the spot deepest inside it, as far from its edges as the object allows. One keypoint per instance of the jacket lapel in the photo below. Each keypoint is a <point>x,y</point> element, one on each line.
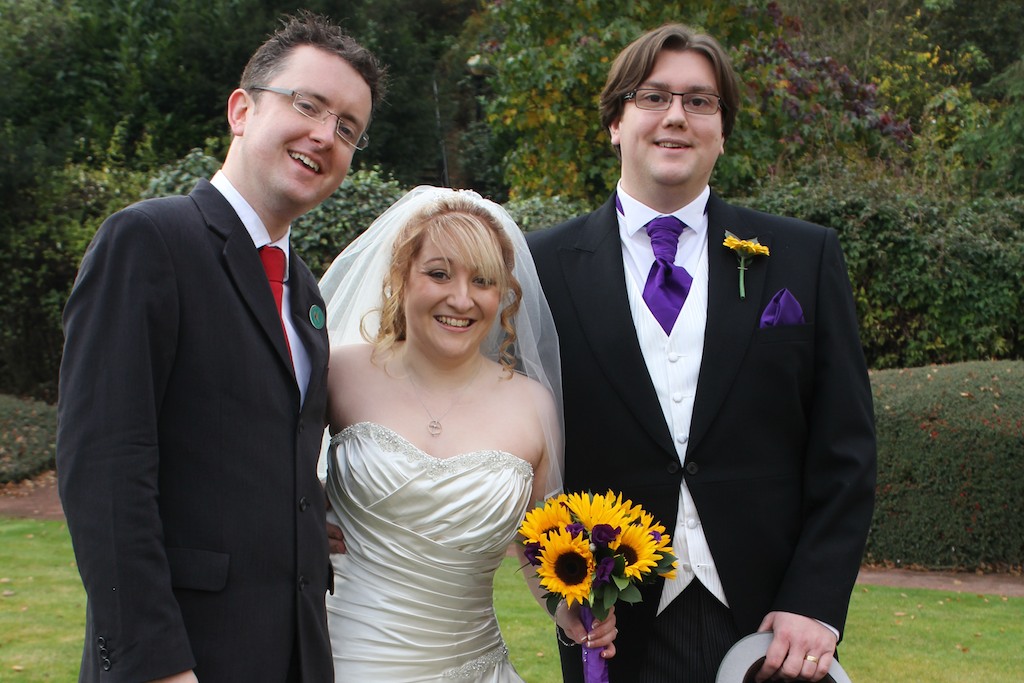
<point>308,307</point>
<point>243,266</point>
<point>731,322</point>
<point>596,280</point>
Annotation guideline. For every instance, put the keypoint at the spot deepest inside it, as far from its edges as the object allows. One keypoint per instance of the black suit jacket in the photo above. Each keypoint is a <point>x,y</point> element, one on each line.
<point>186,465</point>
<point>781,453</point>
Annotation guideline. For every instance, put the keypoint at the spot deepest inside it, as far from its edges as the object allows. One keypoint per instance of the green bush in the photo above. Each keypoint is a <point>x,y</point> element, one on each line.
<point>38,265</point>
<point>182,175</point>
<point>936,278</point>
<point>28,438</point>
<point>321,234</point>
<point>950,466</point>
<point>950,463</point>
<point>534,213</point>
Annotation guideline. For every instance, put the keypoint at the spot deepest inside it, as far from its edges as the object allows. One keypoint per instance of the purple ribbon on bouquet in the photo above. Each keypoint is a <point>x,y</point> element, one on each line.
<point>595,668</point>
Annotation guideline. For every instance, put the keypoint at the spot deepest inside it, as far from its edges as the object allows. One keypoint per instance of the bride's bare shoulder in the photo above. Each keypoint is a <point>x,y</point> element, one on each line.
<point>351,353</point>
<point>351,361</point>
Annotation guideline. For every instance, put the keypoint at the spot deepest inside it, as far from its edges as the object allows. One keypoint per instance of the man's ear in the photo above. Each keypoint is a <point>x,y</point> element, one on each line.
<point>613,131</point>
<point>240,106</point>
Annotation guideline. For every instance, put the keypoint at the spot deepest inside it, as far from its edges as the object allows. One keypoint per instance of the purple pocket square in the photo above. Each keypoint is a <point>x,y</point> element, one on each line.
<point>783,309</point>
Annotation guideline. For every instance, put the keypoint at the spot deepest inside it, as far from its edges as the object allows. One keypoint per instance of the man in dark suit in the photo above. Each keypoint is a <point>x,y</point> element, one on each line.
<point>193,392</point>
<point>739,416</point>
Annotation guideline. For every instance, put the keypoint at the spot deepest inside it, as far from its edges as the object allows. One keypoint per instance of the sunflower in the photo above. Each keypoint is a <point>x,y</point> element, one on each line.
<point>633,512</point>
<point>662,549</point>
<point>638,548</point>
<point>543,519</point>
<point>566,566</point>
<point>591,510</point>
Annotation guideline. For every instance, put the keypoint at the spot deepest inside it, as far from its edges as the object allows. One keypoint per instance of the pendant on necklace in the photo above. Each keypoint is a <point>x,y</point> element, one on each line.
<point>434,427</point>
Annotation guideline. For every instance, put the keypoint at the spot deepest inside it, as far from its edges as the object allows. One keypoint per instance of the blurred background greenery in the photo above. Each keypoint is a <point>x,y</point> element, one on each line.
<point>897,122</point>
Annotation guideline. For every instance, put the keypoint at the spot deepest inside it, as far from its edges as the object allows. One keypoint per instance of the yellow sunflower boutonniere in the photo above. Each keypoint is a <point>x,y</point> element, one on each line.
<point>745,251</point>
<point>595,550</point>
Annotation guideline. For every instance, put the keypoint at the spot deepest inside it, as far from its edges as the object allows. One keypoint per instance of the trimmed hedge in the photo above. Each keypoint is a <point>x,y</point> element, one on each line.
<point>28,438</point>
<point>936,277</point>
<point>950,463</point>
<point>950,467</point>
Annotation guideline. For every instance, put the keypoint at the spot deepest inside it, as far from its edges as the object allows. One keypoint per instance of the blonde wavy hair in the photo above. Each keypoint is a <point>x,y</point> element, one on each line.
<point>463,231</point>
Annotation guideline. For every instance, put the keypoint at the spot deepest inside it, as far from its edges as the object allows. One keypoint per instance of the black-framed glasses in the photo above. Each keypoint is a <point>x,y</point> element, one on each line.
<point>654,99</point>
<point>312,109</point>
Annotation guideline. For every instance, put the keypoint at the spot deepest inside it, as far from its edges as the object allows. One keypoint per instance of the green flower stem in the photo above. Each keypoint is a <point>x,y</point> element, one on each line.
<point>743,268</point>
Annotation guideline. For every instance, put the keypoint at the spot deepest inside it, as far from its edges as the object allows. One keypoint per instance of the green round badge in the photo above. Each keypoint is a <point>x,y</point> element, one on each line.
<point>316,316</point>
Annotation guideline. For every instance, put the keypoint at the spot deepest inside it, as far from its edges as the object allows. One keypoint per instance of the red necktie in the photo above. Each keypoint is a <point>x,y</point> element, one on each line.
<point>273,263</point>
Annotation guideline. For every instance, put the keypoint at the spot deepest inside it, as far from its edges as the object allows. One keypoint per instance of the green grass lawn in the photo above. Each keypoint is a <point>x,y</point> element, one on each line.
<point>894,635</point>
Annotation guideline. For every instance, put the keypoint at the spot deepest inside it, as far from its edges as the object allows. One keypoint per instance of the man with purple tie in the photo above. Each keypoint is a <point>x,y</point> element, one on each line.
<point>712,373</point>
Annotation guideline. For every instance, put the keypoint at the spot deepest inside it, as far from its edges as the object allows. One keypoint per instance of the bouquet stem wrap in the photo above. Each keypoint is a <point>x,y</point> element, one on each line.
<point>595,668</point>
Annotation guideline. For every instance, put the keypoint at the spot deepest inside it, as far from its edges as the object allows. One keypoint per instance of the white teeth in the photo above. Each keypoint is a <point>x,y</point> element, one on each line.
<point>671,145</point>
<point>305,161</point>
<point>452,322</point>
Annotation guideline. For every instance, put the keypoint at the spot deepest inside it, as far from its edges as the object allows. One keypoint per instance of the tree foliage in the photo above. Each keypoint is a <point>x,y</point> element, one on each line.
<point>552,60</point>
<point>501,95</point>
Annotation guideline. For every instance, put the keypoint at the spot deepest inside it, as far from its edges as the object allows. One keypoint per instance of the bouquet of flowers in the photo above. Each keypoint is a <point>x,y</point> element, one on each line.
<point>594,550</point>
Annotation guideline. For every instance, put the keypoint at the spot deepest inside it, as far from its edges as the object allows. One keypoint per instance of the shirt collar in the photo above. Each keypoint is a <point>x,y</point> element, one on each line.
<point>250,219</point>
<point>635,215</point>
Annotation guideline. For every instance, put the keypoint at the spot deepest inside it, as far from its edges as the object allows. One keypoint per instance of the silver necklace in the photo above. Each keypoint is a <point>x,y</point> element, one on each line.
<point>434,426</point>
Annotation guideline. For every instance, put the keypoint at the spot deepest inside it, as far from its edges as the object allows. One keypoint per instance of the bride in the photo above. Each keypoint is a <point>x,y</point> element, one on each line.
<point>445,431</point>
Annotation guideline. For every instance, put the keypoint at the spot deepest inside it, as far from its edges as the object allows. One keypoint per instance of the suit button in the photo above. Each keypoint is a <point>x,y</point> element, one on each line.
<point>103,652</point>
<point>303,504</point>
<point>673,467</point>
<point>101,641</point>
<point>301,426</point>
<point>303,582</point>
<point>106,664</point>
<point>692,468</point>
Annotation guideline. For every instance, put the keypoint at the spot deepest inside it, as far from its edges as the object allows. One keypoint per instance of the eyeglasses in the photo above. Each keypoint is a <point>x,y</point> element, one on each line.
<point>661,100</point>
<point>312,109</point>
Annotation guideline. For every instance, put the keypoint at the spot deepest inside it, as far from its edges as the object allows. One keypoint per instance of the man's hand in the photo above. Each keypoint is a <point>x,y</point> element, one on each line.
<point>183,677</point>
<point>801,648</point>
<point>335,538</point>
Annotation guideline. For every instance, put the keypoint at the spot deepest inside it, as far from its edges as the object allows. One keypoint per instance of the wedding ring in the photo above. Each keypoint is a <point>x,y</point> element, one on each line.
<point>812,659</point>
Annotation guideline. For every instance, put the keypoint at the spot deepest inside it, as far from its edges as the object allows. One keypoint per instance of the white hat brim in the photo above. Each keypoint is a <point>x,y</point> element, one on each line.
<point>744,659</point>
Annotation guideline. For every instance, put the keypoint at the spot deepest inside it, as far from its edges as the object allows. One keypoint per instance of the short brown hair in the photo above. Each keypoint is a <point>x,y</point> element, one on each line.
<point>636,61</point>
<point>306,28</point>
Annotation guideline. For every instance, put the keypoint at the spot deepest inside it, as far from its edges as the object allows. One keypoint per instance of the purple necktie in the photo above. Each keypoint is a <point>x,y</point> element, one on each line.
<point>667,284</point>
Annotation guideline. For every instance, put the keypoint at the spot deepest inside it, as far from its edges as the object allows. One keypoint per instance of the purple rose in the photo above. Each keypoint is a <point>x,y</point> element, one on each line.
<point>532,553</point>
<point>603,572</point>
<point>603,534</point>
<point>575,529</point>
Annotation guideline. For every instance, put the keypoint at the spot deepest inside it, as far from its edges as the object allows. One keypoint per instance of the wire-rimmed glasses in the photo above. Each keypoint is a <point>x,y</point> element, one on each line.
<point>312,109</point>
<point>654,99</point>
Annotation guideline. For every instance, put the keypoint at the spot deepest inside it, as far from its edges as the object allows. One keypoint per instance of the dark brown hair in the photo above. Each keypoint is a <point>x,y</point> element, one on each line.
<point>306,28</point>
<point>636,61</point>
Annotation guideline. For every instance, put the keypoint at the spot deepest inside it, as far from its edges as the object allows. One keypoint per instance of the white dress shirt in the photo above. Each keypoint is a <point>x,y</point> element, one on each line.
<point>261,238</point>
<point>673,362</point>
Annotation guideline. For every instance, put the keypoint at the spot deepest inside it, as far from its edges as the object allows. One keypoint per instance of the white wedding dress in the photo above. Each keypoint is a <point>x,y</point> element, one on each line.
<point>413,595</point>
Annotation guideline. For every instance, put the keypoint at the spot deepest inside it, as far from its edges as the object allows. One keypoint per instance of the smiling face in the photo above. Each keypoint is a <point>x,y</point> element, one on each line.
<point>282,162</point>
<point>668,156</point>
<point>449,306</point>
